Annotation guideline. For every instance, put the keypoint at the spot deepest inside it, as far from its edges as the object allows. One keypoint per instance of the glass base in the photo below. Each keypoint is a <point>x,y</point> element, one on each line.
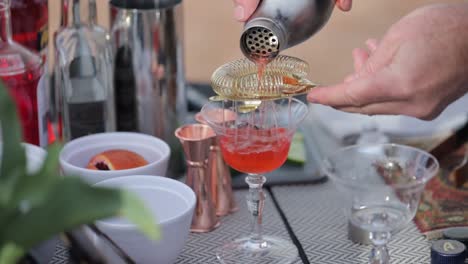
<point>269,250</point>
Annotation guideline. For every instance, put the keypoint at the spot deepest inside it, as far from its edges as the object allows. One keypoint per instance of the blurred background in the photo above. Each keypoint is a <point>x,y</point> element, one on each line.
<point>211,38</point>
<point>212,35</point>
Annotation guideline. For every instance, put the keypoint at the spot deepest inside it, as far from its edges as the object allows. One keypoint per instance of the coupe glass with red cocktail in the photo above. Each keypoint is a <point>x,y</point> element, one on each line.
<point>255,137</point>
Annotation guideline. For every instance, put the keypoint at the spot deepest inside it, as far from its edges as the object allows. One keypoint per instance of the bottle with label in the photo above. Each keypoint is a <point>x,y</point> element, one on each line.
<point>29,21</point>
<point>85,66</point>
<point>20,71</point>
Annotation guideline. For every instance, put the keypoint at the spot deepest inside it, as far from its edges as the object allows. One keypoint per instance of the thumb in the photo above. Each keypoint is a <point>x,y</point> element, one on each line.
<point>244,9</point>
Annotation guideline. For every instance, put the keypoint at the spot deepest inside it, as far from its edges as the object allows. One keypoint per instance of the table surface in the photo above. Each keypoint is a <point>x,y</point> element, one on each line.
<point>310,215</point>
<point>314,214</point>
<point>315,217</point>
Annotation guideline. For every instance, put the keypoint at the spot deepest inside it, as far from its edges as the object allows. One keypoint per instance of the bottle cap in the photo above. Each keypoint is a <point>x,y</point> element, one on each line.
<point>457,233</point>
<point>448,252</point>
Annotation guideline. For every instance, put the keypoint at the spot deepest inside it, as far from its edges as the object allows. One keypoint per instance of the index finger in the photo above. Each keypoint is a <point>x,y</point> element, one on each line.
<point>375,88</point>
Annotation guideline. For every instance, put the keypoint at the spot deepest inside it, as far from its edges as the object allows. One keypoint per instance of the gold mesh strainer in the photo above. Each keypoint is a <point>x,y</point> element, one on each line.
<point>283,77</point>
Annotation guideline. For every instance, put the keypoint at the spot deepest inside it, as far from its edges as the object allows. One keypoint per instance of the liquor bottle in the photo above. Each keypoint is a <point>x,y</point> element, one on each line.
<point>56,124</point>
<point>20,71</point>
<point>85,65</point>
<point>124,86</point>
<point>29,21</point>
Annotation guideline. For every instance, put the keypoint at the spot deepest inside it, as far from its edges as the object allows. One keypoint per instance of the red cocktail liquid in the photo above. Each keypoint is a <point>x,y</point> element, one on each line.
<point>29,20</point>
<point>251,150</point>
<point>23,89</point>
<point>20,71</point>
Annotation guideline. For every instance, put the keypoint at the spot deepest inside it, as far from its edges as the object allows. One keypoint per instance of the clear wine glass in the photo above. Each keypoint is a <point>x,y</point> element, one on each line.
<point>382,186</point>
<point>255,137</point>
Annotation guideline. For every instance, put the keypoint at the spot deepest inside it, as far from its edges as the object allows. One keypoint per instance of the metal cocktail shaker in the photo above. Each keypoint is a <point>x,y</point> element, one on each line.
<point>278,24</point>
<point>149,82</point>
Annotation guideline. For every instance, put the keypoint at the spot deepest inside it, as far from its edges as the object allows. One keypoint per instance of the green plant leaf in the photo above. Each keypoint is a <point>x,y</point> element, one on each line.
<point>35,207</point>
<point>10,253</point>
<point>71,203</point>
<point>33,189</point>
<point>13,164</point>
<point>51,164</point>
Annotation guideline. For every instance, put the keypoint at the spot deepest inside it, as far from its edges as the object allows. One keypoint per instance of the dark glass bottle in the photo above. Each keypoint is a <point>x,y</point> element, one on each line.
<point>124,86</point>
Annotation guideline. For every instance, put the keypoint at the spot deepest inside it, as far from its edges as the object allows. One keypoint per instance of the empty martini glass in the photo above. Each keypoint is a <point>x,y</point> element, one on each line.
<point>381,185</point>
<point>255,137</point>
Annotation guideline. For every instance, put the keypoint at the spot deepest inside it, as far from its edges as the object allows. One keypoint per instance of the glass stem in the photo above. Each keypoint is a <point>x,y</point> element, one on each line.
<point>379,253</point>
<point>255,204</point>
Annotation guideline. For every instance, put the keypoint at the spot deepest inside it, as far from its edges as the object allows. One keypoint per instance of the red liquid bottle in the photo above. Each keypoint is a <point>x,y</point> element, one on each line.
<point>29,22</point>
<point>20,71</point>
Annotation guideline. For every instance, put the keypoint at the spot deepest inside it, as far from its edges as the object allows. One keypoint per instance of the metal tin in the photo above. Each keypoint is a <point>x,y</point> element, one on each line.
<point>358,235</point>
<point>149,77</point>
<point>277,25</point>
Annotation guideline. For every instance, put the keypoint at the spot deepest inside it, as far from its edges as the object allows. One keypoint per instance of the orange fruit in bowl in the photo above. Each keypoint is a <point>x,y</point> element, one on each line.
<point>116,159</point>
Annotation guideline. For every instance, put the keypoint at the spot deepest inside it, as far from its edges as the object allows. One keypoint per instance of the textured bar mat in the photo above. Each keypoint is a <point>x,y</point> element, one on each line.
<point>200,248</point>
<point>316,215</point>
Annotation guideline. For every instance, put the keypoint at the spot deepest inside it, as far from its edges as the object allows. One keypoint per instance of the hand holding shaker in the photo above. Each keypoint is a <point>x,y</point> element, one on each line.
<point>277,25</point>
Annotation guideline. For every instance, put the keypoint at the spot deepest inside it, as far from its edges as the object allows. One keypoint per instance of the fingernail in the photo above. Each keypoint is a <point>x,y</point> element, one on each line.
<point>239,12</point>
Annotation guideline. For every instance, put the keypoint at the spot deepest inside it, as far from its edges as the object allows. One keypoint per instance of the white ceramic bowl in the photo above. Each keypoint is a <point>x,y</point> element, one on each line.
<point>35,156</point>
<point>171,203</point>
<point>76,154</point>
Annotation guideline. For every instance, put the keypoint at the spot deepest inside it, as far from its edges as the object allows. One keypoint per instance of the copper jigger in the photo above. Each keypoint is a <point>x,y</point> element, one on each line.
<point>196,140</point>
<point>220,178</point>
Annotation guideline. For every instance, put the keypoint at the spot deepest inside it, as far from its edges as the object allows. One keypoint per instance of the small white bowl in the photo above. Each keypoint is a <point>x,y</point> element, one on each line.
<point>35,156</point>
<point>171,203</point>
<point>76,154</point>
